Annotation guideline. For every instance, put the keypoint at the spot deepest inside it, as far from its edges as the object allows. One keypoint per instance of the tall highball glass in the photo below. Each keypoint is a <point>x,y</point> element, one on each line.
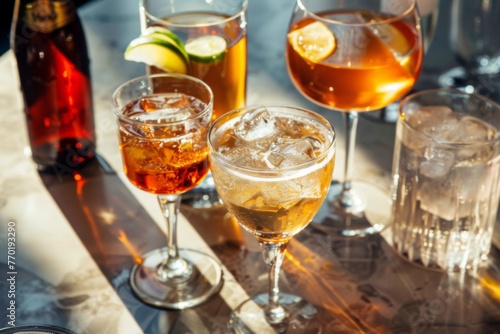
<point>272,167</point>
<point>214,34</point>
<point>163,123</point>
<point>353,57</point>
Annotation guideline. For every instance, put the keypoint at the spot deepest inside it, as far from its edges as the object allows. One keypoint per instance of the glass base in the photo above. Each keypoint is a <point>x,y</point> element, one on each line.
<point>249,317</point>
<point>202,196</point>
<point>205,280</point>
<point>369,214</point>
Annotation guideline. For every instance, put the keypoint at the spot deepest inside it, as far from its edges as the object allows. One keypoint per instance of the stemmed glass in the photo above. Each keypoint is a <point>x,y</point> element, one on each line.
<point>354,56</point>
<point>429,14</point>
<point>272,167</point>
<point>163,123</point>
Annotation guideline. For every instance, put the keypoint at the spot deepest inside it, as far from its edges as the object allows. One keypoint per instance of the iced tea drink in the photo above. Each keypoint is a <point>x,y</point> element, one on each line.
<point>225,71</point>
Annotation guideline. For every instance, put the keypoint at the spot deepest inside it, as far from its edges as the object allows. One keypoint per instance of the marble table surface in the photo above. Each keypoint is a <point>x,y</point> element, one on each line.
<point>75,241</point>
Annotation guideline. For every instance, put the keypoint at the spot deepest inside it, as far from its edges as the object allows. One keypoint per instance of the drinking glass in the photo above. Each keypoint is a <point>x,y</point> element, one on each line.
<point>163,123</point>
<point>429,13</point>
<point>354,57</point>
<point>226,75</point>
<point>446,173</point>
<point>475,44</point>
<point>272,167</point>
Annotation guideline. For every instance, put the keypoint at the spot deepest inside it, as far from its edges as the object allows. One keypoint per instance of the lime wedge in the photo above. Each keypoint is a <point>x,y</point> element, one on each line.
<point>313,42</point>
<point>157,51</point>
<point>207,49</point>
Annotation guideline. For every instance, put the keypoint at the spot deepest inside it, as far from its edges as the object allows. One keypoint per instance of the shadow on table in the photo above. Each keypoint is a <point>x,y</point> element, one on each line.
<point>357,285</point>
<point>116,230</point>
<point>365,284</point>
<point>361,285</point>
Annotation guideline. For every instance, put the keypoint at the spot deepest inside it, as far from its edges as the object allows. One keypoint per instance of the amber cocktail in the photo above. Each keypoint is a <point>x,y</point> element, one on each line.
<point>354,56</point>
<point>272,167</point>
<point>163,124</point>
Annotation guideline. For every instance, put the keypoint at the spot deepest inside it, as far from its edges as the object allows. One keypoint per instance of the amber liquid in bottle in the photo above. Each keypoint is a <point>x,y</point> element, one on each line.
<point>52,59</point>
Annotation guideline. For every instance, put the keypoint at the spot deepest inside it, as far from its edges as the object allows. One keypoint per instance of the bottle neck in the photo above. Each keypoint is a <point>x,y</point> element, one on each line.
<point>48,15</point>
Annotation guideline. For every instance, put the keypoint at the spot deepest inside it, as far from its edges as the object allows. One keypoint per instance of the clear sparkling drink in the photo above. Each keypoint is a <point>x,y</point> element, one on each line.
<point>445,187</point>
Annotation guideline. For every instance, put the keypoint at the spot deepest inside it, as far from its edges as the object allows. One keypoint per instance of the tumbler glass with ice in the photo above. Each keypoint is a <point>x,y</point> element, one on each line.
<point>446,184</point>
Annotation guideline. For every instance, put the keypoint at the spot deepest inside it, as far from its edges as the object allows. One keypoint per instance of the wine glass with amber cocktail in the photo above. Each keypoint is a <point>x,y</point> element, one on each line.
<point>163,123</point>
<point>354,57</point>
<point>272,167</point>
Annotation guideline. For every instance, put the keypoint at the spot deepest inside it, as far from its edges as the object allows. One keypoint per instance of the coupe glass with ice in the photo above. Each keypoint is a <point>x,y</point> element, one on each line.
<point>163,123</point>
<point>446,179</point>
<point>354,57</point>
<point>272,167</point>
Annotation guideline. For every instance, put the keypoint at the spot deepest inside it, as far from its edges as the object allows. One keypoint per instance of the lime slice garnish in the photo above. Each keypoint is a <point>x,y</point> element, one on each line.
<point>163,31</point>
<point>207,49</point>
<point>158,51</point>
<point>313,42</point>
<point>179,45</point>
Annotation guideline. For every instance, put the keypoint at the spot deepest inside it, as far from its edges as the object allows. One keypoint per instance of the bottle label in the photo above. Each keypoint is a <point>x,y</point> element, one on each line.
<point>48,15</point>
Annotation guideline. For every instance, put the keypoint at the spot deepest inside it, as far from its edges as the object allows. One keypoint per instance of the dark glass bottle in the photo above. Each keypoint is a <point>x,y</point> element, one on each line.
<point>52,59</point>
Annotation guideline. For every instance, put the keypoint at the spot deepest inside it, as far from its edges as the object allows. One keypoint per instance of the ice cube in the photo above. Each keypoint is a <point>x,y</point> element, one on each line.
<point>291,152</point>
<point>455,195</point>
<point>437,198</point>
<point>436,162</point>
<point>479,133</point>
<point>174,107</point>
<point>284,194</point>
<point>435,178</point>
<point>245,156</point>
<point>256,124</point>
<point>474,130</point>
<point>423,115</point>
<point>437,122</point>
<point>449,131</point>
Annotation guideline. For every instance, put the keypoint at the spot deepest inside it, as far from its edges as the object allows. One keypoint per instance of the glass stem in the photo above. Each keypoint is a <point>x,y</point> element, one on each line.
<point>273,256</point>
<point>174,268</point>
<point>346,199</point>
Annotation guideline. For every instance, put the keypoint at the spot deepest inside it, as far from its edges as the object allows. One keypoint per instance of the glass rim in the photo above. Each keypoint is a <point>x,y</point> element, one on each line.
<point>411,8</point>
<point>118,110</point>
<point>240,12</point>
<point>454,92</point>
<point>330,149</point>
